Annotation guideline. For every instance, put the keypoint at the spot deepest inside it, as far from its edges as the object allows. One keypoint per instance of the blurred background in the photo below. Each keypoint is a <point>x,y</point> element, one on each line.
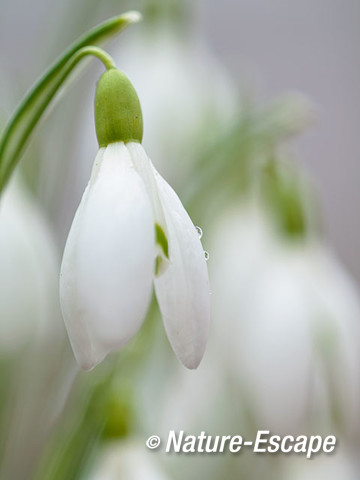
<point>250,112</point>
<point>311,47</point>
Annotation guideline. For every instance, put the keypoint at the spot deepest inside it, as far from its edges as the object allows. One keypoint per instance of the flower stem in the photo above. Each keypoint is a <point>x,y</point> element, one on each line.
<point>97,52</point>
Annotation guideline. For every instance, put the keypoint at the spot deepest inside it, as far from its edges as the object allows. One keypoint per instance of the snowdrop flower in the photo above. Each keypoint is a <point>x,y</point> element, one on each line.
<point>343,464</point>
<point>28,273</point>
<point>130,229</point>
<point>295,334</point>
<point>127,461</point>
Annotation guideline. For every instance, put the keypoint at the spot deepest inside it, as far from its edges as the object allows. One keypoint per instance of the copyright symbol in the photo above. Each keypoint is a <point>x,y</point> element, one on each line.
<point>153,442</point>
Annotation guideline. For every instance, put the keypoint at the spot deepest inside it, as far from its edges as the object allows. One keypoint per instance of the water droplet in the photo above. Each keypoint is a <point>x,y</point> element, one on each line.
<point>199,231</point>
<point>207,255</point>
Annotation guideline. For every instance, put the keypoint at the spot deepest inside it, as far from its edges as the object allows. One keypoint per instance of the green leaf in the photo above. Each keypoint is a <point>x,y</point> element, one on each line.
<point>21,126</point>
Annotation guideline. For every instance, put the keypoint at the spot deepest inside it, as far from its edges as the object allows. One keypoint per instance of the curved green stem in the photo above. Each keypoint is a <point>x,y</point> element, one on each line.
<point>103,56</point>
<point>27,116</point>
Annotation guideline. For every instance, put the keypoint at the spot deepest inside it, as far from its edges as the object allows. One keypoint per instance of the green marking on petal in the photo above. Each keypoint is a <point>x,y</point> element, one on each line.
<point>162,240</point>
<point>158,262</point>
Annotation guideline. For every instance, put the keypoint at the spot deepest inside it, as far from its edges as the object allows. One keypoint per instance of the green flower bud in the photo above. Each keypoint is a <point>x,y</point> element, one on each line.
<point>118,116</point>
<point>283,193</point>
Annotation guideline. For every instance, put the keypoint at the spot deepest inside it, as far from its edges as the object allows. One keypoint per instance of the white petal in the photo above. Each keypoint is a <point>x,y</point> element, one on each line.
<point>183,289</point>
<point>108,260</point>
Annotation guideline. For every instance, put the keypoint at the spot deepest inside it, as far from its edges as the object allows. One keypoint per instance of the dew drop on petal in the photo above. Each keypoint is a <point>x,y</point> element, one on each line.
<point>199,231</point>
<point>207,255</point>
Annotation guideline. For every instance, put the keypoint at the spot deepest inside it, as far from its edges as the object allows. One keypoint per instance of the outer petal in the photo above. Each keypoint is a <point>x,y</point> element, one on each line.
<point>107,267</point>
<point>182,289</point>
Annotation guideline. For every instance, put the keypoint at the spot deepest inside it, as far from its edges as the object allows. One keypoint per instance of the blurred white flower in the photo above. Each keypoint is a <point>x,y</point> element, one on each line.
<point>189,400</point>
<point>323,467</point>
<point>29,270</point>
<point>184,82</point>
<point>294,317</point>
<point>128,220</point>
<point>127,461</point>
<point>36,370</point>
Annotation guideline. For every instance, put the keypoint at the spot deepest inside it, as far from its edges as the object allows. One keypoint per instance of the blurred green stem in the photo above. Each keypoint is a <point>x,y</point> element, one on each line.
<point>232,162</point>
